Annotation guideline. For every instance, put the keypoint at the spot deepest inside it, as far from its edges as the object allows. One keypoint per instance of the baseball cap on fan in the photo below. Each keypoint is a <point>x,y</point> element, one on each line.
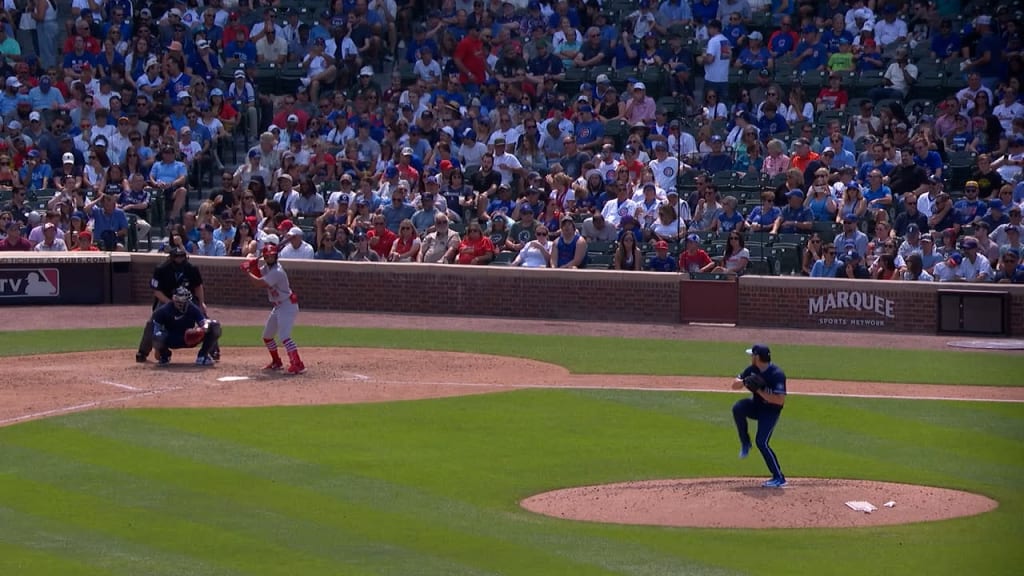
<point>761,351</point>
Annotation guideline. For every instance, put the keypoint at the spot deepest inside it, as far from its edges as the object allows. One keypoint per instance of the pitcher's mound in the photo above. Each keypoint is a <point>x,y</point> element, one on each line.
<point>743,503</point>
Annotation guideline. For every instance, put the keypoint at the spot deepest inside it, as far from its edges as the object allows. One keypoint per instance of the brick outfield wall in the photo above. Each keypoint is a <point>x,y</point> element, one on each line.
<point>826,304</point>
<point>445,289</point>
<point>634,297</point>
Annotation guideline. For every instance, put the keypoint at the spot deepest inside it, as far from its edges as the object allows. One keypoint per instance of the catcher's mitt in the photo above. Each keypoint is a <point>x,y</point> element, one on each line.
<point>194,336</point>
<point>754,382</point>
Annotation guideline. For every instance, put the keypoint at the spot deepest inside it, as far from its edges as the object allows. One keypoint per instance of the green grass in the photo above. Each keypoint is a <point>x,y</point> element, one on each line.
<point>602,354</point>
<point>431,487</point>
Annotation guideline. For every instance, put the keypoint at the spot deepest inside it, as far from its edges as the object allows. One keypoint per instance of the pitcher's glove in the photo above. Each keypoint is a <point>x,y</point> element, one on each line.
<point>754,382</point>
<point>194,336</point>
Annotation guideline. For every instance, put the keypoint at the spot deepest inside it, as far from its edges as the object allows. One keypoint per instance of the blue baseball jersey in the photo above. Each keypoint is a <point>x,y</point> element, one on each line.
<point>167,319</point>
<point>775,378</point>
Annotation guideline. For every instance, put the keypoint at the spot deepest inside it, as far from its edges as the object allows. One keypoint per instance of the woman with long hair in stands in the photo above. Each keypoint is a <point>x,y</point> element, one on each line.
<point>736,257</point>
<point>243,243</point>
<point>813,252</point>
<point>407,246</point>
<point>628,255</point>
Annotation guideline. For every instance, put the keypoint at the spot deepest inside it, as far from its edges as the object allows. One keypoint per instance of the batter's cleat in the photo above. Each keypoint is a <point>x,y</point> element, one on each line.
<point>140,358</point>
<point>296,369</point>
<point>774,483</point>
<point>273,366</point>
<point>163,361</point>
<point>215,355</point>
<point>205,361</point>
<point>744,451</point>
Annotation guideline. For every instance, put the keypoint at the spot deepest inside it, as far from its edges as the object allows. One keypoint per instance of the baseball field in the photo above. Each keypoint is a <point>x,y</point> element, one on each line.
<point>113,468</point>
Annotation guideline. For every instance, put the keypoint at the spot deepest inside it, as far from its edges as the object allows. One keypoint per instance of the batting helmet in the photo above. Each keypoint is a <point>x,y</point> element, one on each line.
<point>181,297</point>
<point>269,250</point>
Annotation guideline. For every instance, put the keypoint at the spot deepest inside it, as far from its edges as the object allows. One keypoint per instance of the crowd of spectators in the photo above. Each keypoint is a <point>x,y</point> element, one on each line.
<point>884,139</point>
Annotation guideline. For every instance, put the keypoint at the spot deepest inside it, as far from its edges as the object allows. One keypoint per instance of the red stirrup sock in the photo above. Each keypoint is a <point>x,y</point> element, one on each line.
<point>272,348</point>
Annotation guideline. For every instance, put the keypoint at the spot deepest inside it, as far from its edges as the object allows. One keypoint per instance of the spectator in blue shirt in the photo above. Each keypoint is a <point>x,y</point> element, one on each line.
<point>170,176</point>
<point>878,162</point>
<point>675,11</point>
<point>987,56</point>
<point>34,174</point>
<point>946,43</point>
<point>763,217</point>
<point>589,132</point>
<point>969,209</point>
<point>828,266</point>
<point>240,49</point>
<point>927,159</point>
<point>734,29</point>
<point>878,195</point>
<point>717,160</point>
<point>794,217</point>
<point>771,123</point>
<point>109,223</point>
<point>833,36</point>
<point>755,56</point>
<point>661,261</point>
<point>705,11</point>
<point>45,96</point>
<point>811,54</point>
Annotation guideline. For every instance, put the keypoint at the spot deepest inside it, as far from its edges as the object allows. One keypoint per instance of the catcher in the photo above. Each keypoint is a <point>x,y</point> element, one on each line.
<point>767,383</point>
<point>181,324</point>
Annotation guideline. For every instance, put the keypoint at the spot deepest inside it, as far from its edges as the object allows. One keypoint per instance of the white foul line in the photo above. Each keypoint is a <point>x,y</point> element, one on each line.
<point>121,386</point>
<point>85,406</point>
<point>679,389</point>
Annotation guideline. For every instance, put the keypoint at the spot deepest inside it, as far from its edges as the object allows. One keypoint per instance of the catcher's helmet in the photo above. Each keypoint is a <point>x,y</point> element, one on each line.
<point>182,297</point>
<point>269,250</point>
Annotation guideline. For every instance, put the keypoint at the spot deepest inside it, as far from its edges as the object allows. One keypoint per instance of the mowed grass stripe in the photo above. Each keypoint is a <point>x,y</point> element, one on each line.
<point>245,511</point>
<point>15,559</point>
<point>51,546</point>
<point>278,508</point>
<point>211,551</point>
<point>503,529</point>
<point>586,354</point>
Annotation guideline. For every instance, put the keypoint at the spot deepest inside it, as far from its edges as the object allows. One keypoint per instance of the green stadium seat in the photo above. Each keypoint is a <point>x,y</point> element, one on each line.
<point>504,258</point>
<point>599,261</point>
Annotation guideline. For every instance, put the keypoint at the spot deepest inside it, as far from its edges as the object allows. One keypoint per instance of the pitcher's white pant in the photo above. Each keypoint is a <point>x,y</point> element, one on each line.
<point>281,321</point>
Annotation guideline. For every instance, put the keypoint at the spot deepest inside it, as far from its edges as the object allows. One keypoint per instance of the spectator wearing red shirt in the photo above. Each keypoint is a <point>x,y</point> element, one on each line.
<point>381,239</point>
<point>288,108</point>
<point>833,96</point>
<point>471,57</point>
<point>232,28</point>
<point>694,258</point>
<point>92,45</point>
<point>85,243</point>
<point>476,248</point>
<point>406,171</point>
<point>15,242</point>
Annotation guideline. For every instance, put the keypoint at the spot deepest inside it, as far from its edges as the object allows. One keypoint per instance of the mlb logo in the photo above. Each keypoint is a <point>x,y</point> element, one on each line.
<point>31,283</point>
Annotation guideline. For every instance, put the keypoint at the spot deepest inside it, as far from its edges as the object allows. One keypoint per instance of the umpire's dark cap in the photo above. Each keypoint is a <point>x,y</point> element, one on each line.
<point>761,351</point>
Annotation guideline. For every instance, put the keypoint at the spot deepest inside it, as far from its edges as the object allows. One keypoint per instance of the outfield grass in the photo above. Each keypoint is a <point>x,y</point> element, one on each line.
<point>431,487</point>
<point>602,354</point>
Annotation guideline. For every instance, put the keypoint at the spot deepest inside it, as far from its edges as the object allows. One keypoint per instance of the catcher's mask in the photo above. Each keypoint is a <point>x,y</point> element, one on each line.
<point>181,298</point>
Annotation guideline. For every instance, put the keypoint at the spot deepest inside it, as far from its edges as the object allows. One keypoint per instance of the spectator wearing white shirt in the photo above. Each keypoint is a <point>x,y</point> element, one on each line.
<point>506,163</point>
<point>294,246</point>
<point>50,241</point>
<point>890,29</point>
<point>974,267</point>
<point>426,68</point>
<point>1008,109</point>
<point>666,168</point>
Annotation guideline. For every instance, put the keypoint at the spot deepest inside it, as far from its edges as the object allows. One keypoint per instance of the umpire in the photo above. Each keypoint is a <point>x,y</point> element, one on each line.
<point>176,272</point>
<point>767,383</point>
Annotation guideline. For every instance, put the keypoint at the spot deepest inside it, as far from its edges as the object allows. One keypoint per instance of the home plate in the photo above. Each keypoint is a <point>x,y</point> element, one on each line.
<point>232,378</point>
